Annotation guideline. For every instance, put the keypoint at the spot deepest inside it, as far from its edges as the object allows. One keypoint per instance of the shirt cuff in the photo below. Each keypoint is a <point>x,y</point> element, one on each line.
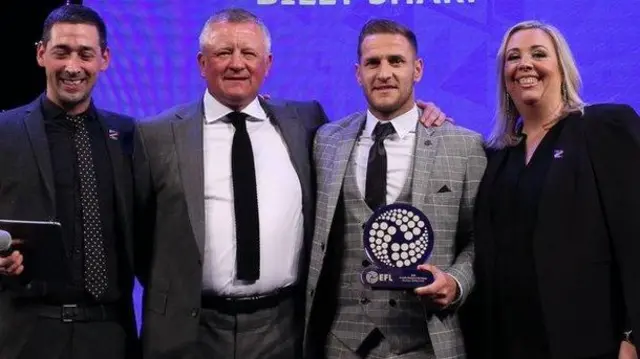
<point>458,297</point>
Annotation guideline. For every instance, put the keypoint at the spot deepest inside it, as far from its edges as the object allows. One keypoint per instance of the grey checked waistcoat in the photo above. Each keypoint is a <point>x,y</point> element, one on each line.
<point>399,315</point>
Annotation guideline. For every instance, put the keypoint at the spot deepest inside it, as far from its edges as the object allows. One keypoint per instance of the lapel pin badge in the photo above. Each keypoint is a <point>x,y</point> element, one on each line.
<point>558,153</point>
<point>113,134</point>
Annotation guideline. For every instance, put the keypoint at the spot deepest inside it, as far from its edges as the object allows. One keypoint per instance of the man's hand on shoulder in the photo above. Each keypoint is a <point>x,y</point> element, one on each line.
<point>432,116</point>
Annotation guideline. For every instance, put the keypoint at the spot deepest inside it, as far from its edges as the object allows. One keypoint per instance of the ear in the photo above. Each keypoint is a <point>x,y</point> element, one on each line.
<point>359,76</point>
<point>40,51</point>
<point>418,69</point>
<point>268,63</point>
<point>106,58</point>
<point>202,63</point>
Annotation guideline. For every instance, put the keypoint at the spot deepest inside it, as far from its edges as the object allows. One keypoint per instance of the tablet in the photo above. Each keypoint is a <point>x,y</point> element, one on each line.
<point>42,248</point>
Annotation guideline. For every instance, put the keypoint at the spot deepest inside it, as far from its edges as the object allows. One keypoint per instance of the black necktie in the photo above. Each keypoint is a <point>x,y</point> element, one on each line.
<point>376,185</point>
<point>245,201</point>
<point>95,263</point>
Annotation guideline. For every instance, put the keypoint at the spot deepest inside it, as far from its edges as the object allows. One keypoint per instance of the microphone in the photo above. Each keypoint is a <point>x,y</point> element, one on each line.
<point>5,241</point>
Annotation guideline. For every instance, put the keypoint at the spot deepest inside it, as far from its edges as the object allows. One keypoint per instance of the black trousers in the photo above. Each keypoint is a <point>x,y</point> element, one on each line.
<point>53,339</point>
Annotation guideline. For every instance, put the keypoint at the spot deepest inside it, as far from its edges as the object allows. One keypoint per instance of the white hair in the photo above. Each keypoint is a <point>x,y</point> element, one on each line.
<point>235,16</point>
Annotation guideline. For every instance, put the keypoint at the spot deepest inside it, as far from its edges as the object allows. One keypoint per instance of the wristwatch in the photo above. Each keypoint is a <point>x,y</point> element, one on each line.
<point>627,336</point>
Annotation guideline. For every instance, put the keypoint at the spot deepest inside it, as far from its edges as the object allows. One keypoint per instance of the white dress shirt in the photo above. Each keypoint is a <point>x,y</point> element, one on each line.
<point>399,146</point>
<point>279,204</point>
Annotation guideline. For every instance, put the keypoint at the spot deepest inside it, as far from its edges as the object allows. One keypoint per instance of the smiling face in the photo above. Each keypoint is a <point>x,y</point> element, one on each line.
<point>532,73</point>
<point>72,59</point>
<point>235,61</point>
<point>387,70</point>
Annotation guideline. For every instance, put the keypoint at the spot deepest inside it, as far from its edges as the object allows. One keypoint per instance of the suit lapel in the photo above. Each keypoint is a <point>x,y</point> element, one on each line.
<point>559,183</point>
<point>187,136</point>
<point>294,136</point>
<point>34,123</point>
<point>427,141</point>
<point>494,163</point>
<point>115,152</point>
<point>340,160</point>
<point>482,210</point>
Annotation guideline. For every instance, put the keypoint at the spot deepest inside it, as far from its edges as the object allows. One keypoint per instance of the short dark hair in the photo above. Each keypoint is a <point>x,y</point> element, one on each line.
<point>384,26</point>
<point>75,14</point>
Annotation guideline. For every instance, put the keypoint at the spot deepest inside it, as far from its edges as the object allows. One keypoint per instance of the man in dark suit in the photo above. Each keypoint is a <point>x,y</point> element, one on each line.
<point>65,160</point>
<point>228,197</point>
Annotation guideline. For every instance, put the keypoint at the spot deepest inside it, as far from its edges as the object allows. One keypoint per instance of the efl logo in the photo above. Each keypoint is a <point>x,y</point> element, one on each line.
<point>371,2</point>
<point>373,277</point>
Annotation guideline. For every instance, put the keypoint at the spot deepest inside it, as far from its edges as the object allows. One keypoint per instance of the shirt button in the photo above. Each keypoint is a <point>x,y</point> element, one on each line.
<point>364,300</point>
<point>194,312</point>
<point>366,263</point>
<point>322,246</point>
<point>392,302</point>
<point>312,292</point>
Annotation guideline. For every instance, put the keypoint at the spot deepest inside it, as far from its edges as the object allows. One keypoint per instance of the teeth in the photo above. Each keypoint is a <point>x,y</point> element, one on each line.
<point>528,81</point>
<point>72,82</point>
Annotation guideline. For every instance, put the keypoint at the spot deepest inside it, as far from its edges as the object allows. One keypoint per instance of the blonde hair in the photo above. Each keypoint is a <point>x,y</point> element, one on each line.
<point>503,133</point>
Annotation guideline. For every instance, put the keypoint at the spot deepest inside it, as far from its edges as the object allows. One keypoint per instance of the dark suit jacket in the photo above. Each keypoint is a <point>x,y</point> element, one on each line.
<point>170,190</point>
<point>27,193</point>
<point>586,247</point>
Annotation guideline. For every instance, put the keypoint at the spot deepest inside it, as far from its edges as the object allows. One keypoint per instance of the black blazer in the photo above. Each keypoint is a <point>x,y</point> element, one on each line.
<point>170,195</point>
<point>27,193</point>
<point>586,243</point>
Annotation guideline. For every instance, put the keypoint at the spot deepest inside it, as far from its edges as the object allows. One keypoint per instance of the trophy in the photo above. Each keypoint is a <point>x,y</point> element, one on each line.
<point>397,238</point>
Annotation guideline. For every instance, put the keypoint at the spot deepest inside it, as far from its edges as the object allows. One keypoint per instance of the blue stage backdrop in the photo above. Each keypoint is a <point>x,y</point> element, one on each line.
<point>154,45</point>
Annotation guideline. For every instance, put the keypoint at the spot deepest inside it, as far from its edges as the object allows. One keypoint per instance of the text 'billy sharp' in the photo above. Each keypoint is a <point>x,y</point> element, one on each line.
<point>371,2</point>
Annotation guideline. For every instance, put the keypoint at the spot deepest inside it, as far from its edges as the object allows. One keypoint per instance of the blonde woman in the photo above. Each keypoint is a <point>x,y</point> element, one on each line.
<point>558,210</point>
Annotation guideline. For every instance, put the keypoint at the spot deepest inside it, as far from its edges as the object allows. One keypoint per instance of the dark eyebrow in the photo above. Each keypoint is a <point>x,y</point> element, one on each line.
<point>70,49</point>
<point>395,57</point>
<point>370,59</point>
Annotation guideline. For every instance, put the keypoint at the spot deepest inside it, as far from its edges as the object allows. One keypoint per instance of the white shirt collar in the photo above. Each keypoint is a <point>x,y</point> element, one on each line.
<point>214,110</point>
<point>403,124</point>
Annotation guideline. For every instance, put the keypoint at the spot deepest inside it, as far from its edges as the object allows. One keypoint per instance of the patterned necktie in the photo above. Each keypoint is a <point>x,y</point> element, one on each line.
<point>245,201</point>
<point>376,182</point>
<point>95,264</point>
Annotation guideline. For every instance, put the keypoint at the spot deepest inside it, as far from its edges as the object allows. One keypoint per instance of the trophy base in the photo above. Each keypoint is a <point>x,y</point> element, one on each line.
<point>399,279</point>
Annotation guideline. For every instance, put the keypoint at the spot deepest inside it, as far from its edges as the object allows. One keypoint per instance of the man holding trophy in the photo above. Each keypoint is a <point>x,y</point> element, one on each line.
<point>392,253</point>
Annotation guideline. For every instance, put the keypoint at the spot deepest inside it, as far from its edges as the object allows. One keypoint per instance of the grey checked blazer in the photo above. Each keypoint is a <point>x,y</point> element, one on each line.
<point>448,156</point>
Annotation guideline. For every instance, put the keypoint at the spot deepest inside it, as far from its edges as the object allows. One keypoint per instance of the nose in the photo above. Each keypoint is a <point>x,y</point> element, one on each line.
<point>525,63</point>
<point>385,72</point>
<point>237,62</point>
<point>73,65</point>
